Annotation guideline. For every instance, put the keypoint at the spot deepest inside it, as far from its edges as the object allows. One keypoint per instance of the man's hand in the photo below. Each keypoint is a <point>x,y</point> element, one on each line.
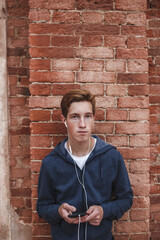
<point>95,215</point>
<point>64,210</point>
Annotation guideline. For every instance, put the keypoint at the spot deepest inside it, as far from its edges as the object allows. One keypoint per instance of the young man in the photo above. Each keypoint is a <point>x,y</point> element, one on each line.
<point>82,175</point>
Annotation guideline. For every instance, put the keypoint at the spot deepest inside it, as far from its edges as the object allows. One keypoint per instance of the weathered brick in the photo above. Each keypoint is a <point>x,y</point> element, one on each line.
<point>92,65</point>
<point>92,5</point>
<point>61,89</point>
<point>52,77</point>
<point>52,52</point>
<point>139,215</point>
<point>129,5</point>
<point>132,102</point>
<point>105,102</point>
<point>132,78</point>
<point>50,4</point>
<point>115,65</point>
<point>132,53</point>
<point>92,41</point>
<point>139,140</point>
<point>92,17</point>
<point>99,52</point>
<point>63,64</point>
<point>40,141</point>
<point>40,89</point>
<point>117,141</point>
<point>40,115</point>
<point>47,128</point>
<point>66,17</point>
<point>132,128</point>
<point>65,41</point>
<point>130,30</point>
<point>101,77</point>
<point>139,166</point>
<point>116,90</point>
<point>114,17</point>
<point>117,115</point>
<point>39,40</point>
<point>39,15</point>
<point>137,65</point>
<point>136,42</point>
<point>95,88</point>
<point>134,90</point>
<point>39,64</point>
<point>136,18</point>
<point>114,41</point>
<point>44,102</point>
<point>104,127</point>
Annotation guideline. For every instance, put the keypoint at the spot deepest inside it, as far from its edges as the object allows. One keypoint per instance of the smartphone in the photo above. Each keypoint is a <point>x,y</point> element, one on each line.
<point>77,214</point>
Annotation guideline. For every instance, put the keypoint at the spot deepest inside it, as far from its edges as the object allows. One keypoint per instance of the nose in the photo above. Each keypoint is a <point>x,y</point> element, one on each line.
<point>82,123</point>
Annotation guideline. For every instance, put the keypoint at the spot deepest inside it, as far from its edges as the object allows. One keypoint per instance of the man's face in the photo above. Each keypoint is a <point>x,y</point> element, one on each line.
<point>80,121</point>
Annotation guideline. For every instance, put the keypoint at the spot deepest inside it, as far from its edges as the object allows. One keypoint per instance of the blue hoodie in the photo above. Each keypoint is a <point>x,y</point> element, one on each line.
<point>106,183</point>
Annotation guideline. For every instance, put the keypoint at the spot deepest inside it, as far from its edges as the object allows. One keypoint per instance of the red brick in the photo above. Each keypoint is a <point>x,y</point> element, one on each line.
<point>92,17</point>
<point>104,127</point>
<point>154,43</point>
<point>136,42</point>
<point>155,169</point>
<point>114,41</point>
<point>100,114</point>
<point>63,64</point>
<point>132,78</point>
<point>96,89</point>
<point>105,102</point>
<point>154,99</point>
<point>99,52</point>
<point>154,80</point>
<point>121,237</point>
<point>40,141</point>
<point>18,43</point>
<point>136,90</point>
<point>114,17</point>
<point>137,65</point>
<point>97,29</point>
<point>17,202</point>
<point>39,15</point>
<point>117,141</point>
<point>40,89</point>
<point>56,115</point>
<point>117,115</point>
<point>155,23</point>
<point>45,102</point>
<point>139,114</point>
<point>52,52</point>
<point>47,28</point>
<point>141,202</point>
<point>17,101</point>
<point>38,154</point>
<point>116,65</point>
<point>52,77</point>
<point>48,128</point>
<point>61,89</point>
<point>91,41</point>
<point>155,189</point>
<point>154,89</point>
<point>139,166</point>
<point>38,230</point>
<point>39,64</point>
<point>65,41</point>
<point>98,77</point>
<point>132,53</point>
<point>92,65</point>
<point>23,192</point>
<point>139,141</point>
<point>132,102</point>
<point>39,40</point>
<point>40,115</point>
<point>16,22</point>
<point>153,33</point>
<point>49,4</point>
<point>129,5</point>
<point>142,236</point>
<point>14,61</point>
<point>92,5</point>
<point>66,17</point>
<point>58,139</point>
<point>136,18</point>
<point>139,215</point>
<point>133,30</point>
<point>132,128</point>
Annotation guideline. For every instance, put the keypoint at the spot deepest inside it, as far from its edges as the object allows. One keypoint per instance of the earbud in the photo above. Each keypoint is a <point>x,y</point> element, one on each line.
<point>65,124</point>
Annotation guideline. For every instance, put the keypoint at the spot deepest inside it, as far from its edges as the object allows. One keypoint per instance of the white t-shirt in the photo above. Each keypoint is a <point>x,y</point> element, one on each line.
<point>80,161</point>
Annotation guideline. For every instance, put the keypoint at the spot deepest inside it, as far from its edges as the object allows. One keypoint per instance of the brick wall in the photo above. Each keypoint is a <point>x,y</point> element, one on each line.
<point>153,34</point>
<point>18,75</point>
<point>100,46</point>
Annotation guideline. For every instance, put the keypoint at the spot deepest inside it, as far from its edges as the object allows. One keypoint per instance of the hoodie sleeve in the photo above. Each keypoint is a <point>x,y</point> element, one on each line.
<point>46,205</point>
<point>122,194</point>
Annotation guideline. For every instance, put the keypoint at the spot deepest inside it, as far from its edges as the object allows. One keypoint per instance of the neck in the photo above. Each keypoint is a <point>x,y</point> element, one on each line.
<point>81,149</point>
